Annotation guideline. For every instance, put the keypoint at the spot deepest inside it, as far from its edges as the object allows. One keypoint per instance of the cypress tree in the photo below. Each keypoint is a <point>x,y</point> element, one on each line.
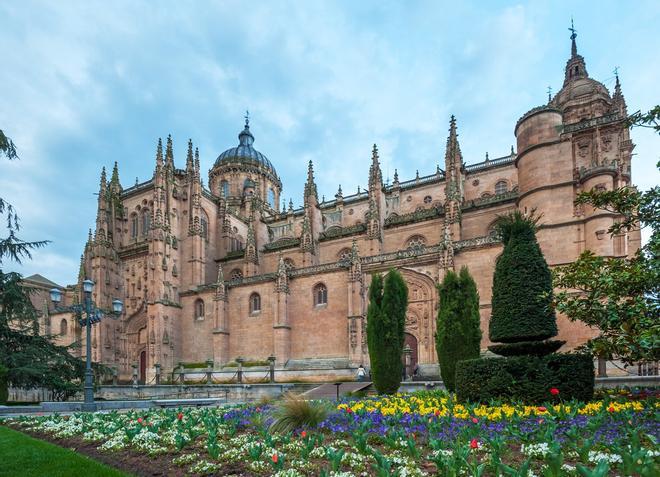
<point>522,315</point>
<point>459,333</point>
<point>386,317</point>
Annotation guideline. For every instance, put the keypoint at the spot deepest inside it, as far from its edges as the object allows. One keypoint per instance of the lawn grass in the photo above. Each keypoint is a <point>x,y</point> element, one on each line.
<point>21,455</point>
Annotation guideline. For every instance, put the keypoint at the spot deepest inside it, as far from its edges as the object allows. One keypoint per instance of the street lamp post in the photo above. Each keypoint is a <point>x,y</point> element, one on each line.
<point>94,315</point>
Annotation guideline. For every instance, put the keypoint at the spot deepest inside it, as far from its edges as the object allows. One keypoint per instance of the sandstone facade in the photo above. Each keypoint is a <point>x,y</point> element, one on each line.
<point>222,273</point>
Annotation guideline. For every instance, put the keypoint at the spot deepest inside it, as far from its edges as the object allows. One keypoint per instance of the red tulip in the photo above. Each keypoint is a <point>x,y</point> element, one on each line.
<point>303,434</point>
<point>554,391</point>
<point>541,408</point>
<point>140,420</point>
<point>274,458</point>
<point>475,420</point>
<point>611,409</point>
<point>179,416</point>
<point>474,444</point>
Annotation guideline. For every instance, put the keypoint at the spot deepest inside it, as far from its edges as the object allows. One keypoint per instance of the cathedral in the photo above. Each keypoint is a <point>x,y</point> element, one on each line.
<point>222,273</point>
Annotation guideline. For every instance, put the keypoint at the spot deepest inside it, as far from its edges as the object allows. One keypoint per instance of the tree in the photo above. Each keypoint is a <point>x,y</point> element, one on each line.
<point>386,317</point>
<point>27,358</point>
<point>522,315</point>
<point>459,333</point>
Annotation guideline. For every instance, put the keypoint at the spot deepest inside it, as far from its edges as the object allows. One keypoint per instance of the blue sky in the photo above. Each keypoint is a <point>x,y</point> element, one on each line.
<point>87,83</point>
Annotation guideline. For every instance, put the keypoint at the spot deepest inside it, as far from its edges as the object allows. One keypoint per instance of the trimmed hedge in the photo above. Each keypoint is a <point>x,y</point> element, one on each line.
<point>536,348</point>
<point>458,323</point>
<point>386,318</point>
<point>522,286</point>
<point>526,378</point>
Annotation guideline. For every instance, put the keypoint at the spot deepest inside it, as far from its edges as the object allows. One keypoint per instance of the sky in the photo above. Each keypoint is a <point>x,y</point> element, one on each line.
<point>88,83</point>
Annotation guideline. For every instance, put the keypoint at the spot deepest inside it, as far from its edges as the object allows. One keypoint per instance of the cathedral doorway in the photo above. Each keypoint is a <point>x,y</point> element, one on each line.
<point>143,367</point>
<point>420,316</point>
<point>410,341</point>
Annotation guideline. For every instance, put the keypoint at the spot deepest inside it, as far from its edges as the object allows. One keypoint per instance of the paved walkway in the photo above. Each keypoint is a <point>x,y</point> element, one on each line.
<point>329,391</point>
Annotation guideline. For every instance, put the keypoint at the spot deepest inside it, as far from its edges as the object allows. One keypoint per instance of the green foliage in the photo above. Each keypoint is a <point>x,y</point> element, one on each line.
<point>537,348</point>
<point>522,285</point>
<point>7,146</point>
<point>293,412</point>
<point>526,378</point>
<point>4,385</point>
<point>386,317</point>
<point>459,333</point>
<point>620,296</point>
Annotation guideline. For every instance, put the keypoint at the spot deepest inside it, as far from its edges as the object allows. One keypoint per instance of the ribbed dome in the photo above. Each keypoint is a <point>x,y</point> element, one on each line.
<point>579,88</point>
<point>244,153</point>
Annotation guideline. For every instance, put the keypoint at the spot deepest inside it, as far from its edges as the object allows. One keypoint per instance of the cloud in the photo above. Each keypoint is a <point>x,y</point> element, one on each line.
<point>91,83</point>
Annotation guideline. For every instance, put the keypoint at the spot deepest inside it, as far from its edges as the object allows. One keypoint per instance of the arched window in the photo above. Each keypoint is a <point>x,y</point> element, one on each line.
<point>500,187</point>
<point>344,255</point>
<point>236,274</point>
<point>320,295</point>
<point>224,188</point>
<point>416,242</point>
<point>146,221</point>
<point>134,225</point>
<point>199,309</point>
<point>235,244</point>
<point>63,327</point>
<point>255,303</point>
<point>271,198</point>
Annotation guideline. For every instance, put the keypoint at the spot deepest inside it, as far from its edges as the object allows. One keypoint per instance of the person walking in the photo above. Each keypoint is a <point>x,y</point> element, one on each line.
<point>361,373</point>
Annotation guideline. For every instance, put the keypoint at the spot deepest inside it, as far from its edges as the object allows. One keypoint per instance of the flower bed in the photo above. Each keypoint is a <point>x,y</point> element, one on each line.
<point>407,435</point>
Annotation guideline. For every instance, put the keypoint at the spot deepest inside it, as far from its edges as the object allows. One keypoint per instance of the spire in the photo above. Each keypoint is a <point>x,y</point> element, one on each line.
<point>310,185</point>
<point>115,175</point>
<point>245,137</point>
<point>339,195</point>
<point>159,153</point>
<point>169,154</point>
<point>189,157</point>
<point>103,182</point>
<point>575,66</point>
<point>290,206</point>
<point>396,177</point>
<point>573,37</point>
<point>618,99</point>
<point>197,161</point>
<point>375,174</point>
<point>81,268</point>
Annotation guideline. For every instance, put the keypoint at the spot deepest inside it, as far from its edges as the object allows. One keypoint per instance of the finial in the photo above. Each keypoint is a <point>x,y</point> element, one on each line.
<point>136,181</point>
<point>115,174</point>
<point>374,153</point>
<point>358,189</point>
<point>573,37</point>
<point>417,174</point>
<point>487,159</point>
<point>323,198</point>
<point>437,168</point>
<point>247,119</point>
<point>103,177</point>
<point>169,153</point>
<point>339,192</point>
<point>512,153</point>
<point>549,93</point>
<point>396,176</point>
<point>290,205</point>
<point>197,159</point>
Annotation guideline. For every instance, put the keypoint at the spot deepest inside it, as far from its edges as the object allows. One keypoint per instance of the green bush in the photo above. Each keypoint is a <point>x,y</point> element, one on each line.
<point>526,378</point>
<point>4,385</point>
<point>386,318</point>
<point>522,285</point>
<point>458,324</point>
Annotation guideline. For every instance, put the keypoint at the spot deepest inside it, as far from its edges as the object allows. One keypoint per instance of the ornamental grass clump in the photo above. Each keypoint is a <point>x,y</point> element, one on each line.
<point>294,412</point>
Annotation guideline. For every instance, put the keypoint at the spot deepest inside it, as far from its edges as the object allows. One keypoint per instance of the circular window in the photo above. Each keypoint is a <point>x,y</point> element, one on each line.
<point>350,211</point>
<point>409,198</point>
<point>427,199</point>
<point>475,182</point>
